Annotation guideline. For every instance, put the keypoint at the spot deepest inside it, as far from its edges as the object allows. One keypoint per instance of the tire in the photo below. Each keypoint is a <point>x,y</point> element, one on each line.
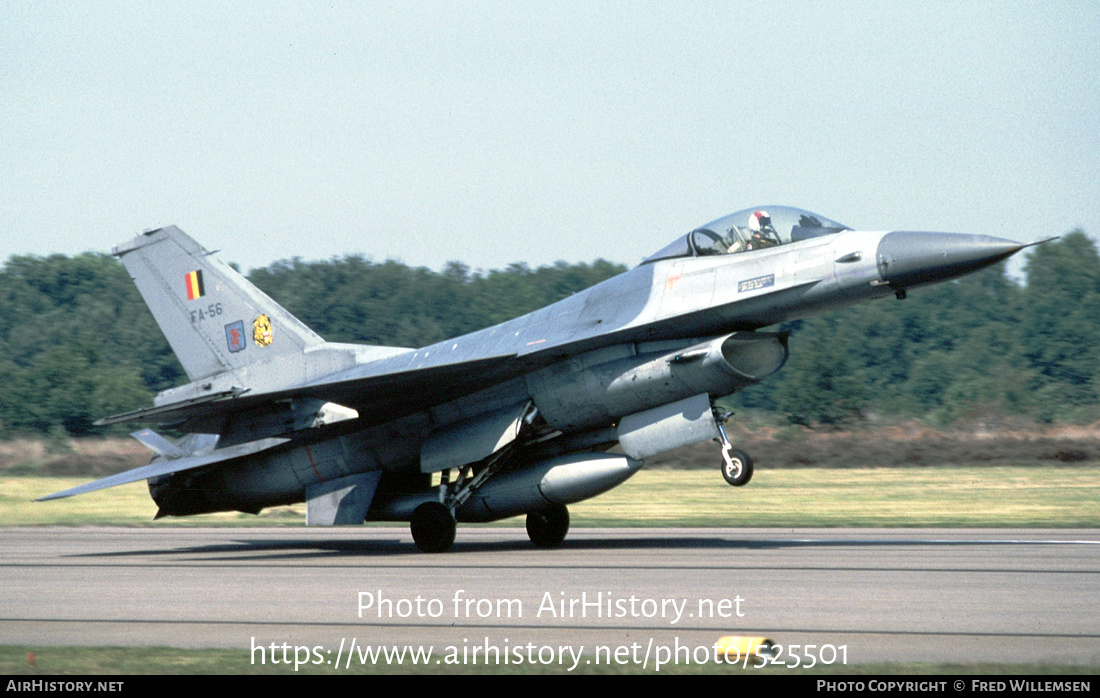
<point>740,472</point>
<point>547,527</point>
<point>433,527</point>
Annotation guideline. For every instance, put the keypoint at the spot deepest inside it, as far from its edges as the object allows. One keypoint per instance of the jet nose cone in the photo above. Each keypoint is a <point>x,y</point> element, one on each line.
<point>907,259</point>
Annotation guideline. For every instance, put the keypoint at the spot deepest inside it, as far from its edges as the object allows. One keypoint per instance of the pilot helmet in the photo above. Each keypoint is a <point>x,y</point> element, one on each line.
<point>759,220</point>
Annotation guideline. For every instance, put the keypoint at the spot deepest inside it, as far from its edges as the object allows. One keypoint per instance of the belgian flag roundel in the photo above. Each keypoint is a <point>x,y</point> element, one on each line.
<point>194,285</point>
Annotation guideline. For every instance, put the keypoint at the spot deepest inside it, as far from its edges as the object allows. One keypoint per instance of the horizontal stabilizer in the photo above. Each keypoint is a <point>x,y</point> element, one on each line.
<point>167,467</point>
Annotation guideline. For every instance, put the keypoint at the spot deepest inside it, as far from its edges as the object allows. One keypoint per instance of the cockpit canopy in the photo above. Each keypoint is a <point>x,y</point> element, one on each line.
<point>747,230</point>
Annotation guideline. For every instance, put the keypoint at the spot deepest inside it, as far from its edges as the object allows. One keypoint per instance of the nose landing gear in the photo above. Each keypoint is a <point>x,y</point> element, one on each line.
<point>737,468</point>
<point>736,464</point>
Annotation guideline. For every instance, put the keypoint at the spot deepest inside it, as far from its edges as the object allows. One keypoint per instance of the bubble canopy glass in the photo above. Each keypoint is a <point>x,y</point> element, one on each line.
<point>732,234</point>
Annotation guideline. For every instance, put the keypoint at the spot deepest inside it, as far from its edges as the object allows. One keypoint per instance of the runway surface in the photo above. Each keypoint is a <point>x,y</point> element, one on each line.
<point>853,595</point>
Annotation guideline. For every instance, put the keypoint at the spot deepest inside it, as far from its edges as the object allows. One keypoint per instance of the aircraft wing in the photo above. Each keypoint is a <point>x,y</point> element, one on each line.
<point>166,467</point>
<point>377,397</point>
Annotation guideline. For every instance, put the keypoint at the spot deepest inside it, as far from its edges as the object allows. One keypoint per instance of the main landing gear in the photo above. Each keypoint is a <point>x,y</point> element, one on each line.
<point>433,527</point>
<point>547,527</point>
<point>736,464</point>
<point>433,523</point>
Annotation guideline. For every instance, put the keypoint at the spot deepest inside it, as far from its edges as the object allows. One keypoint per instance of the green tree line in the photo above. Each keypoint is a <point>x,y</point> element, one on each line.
<point>77,343</point>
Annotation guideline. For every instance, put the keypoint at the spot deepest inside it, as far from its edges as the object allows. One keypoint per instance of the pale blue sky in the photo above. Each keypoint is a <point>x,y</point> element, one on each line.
<point>494,132</point>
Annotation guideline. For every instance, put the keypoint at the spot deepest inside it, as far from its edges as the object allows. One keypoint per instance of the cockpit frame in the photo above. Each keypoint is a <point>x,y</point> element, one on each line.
<point>732,234</point>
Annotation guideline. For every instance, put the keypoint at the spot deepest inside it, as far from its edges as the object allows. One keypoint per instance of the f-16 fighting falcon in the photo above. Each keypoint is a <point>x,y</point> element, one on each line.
<point>515,419</point>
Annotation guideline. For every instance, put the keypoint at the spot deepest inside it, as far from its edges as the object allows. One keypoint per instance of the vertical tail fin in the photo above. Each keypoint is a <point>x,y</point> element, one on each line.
<point>214,319</point>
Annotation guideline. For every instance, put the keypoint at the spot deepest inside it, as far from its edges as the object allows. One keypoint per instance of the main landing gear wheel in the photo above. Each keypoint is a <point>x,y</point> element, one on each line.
<point>433,527</point>
<point>547,527</point>
<point>737,468</point>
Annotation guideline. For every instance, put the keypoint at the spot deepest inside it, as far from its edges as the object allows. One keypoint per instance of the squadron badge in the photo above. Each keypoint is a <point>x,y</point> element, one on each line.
<point>261,330</point>
<point>234,336</point>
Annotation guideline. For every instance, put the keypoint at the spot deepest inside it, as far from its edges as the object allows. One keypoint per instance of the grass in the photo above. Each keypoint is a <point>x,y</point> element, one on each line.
<point>1051,496</point>
<point>975,496</point>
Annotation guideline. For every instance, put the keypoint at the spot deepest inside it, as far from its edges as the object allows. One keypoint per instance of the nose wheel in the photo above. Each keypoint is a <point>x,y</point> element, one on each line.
<point>736,464</point>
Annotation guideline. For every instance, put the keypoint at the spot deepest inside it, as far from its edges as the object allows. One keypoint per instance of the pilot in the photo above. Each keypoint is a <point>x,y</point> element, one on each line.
<point>761,232</point>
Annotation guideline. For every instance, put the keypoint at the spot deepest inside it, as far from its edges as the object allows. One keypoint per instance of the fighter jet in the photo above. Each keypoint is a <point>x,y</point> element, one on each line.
<point>515,419</point>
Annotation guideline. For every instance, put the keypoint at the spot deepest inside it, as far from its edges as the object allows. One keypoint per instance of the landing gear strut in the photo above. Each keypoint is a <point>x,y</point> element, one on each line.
<point>433,523</point>
<point>547,527</point>
<point>433,527</point>
<point>736,464</point>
